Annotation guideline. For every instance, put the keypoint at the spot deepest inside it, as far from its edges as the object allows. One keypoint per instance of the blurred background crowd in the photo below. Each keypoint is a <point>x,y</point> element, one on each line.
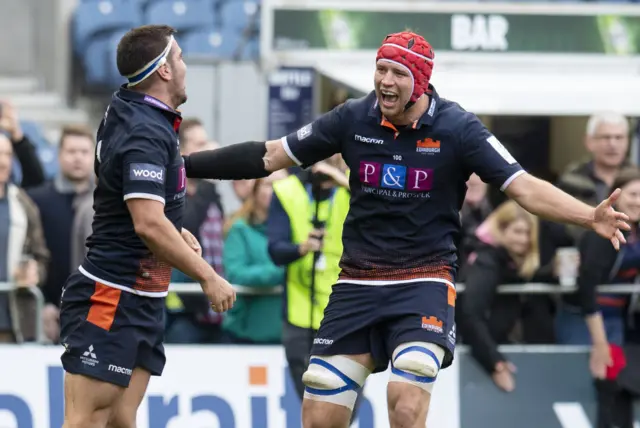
<point>278,239</point>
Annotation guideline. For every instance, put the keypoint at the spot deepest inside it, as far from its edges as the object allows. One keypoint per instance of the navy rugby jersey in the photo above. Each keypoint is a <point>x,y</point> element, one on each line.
<point>407,184</point>
<point>137,156</point>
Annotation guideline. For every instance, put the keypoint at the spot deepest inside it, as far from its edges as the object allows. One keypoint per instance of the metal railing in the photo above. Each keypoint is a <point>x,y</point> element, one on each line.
<point>529,288</point>
<point>195,288</point>
<point>12,291</point>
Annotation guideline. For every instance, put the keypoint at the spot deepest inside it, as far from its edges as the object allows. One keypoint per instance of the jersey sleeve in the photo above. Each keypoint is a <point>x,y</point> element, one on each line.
<point>144,169</point>
<point>483,154</point>
<point>318,140</point>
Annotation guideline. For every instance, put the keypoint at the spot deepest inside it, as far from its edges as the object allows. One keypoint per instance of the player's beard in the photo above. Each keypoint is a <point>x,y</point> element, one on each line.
<point>180,98</point>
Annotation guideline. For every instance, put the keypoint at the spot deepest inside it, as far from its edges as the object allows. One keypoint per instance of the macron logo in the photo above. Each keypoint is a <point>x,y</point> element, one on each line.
<point>146,172</point>
<point>368,140</point>
<point>120,370</point>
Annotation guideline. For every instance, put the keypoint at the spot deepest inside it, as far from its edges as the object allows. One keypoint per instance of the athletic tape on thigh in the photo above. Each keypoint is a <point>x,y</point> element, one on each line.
<point>350,384</point>
<point>410,376</point>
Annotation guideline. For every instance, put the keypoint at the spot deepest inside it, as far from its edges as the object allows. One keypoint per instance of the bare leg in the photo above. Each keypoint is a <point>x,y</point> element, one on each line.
<point>408,405</point>
<point>88,401</point>
<point>126,408</point>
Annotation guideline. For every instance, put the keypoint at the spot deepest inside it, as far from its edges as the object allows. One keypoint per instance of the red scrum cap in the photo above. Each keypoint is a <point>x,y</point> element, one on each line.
<point>414,53</point>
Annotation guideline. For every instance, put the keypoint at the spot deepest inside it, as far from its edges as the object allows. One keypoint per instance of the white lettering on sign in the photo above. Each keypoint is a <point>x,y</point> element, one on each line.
<point>479,32</point>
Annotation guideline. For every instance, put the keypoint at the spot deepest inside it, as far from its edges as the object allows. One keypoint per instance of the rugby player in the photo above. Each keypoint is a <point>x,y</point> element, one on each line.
<point>112,308</point>
<point>410,153</point>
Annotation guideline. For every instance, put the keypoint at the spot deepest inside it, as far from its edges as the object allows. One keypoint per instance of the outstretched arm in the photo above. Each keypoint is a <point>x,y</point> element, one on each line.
<point>545,200</point>
<point>486,156</point>
<point>254,159</point>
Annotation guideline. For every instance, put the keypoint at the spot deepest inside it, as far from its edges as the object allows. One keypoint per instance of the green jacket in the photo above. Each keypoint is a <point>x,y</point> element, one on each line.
<point>247,263</point>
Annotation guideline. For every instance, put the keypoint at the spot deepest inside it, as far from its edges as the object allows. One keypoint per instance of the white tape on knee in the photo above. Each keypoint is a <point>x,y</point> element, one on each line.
<point>417,363</point>
<point>334,379</point>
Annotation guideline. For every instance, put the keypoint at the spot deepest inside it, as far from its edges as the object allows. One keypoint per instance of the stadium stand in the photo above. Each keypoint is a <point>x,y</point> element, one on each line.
<point>217,29</point>
<point>184,16</point>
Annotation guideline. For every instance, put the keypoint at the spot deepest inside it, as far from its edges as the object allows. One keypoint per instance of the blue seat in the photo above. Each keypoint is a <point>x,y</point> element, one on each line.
<point>210,43</point>
<point>226,43</point>
<point>183,15</point>
<point>100,60</point>
<point>240,14</point>
<point>94,19</point>
<point>95,61</point>
<point>113,75</point>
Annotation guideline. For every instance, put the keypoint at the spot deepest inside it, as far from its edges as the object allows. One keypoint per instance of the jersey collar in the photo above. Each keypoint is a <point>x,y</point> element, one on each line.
<point>174,116</point>
<point>426,119</point>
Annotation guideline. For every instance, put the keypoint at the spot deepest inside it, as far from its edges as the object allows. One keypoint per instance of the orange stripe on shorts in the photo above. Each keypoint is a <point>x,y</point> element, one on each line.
<point>104,303</point>
<point>451,296</point>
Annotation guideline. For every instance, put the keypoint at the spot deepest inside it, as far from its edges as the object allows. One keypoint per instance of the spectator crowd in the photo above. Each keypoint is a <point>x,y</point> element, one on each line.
<point>282,247</point>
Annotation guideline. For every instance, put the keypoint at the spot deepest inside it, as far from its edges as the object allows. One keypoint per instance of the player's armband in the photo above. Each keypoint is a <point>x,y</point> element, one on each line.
<point>235,162</point>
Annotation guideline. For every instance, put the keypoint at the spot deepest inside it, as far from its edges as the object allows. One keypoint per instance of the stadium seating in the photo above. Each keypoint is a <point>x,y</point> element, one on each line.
<point>96,19</point>
<point>226,43</point>
<point>239,14</point>
<point>100,60</point>
<point>219,29</point>
<point>184,16</point>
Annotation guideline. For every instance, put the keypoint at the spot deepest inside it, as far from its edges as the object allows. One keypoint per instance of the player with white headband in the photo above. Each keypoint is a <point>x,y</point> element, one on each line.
<point>410,153</point>
<point>112,308</point>
<point>148,69</point>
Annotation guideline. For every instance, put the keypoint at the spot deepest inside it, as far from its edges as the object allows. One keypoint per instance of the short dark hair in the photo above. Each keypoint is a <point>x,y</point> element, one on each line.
<point>141,45</point>
<point>187,124</point>
<point>626,176</point>
<point>75,131</point>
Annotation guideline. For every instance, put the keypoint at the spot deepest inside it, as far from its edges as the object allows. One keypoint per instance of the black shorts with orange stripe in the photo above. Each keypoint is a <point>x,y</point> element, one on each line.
<point>376,319</point>
<point>107,332</point>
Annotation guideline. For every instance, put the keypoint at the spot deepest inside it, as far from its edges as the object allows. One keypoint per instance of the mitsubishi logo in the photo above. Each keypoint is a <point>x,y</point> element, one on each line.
<point>90,352</point>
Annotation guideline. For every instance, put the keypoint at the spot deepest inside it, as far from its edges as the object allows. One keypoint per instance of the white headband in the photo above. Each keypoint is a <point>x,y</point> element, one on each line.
<point>150,67</point>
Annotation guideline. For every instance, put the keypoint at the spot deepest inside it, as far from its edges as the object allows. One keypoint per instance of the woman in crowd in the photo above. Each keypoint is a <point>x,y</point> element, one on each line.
<point>255,317</point>
<point>509,255</point>
<point>588,317</point>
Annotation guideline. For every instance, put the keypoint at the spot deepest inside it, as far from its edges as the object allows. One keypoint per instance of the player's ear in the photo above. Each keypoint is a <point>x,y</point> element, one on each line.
<point>165,71</point>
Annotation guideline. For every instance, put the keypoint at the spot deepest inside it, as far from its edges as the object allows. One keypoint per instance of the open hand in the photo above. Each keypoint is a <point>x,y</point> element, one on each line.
<point>608,222</point>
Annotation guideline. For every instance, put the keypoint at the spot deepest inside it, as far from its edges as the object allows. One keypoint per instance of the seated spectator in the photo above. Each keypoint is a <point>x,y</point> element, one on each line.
<point>488,318</point>
<point>23,250</point>
<point>589,317</point>
<point>255,318</point>
<point>189,316</point>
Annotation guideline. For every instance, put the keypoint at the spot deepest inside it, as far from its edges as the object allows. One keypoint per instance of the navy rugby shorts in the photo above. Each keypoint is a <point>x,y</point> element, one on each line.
<point>376,319</point>
<point>107,332</point>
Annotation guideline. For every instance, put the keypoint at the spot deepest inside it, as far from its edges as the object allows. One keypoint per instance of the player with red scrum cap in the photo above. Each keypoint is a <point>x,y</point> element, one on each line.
<point>410,153</point>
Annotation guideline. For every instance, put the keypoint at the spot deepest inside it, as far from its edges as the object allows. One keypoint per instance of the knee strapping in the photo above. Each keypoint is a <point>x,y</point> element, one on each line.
<point>417,363</point>
<point>334,379</point>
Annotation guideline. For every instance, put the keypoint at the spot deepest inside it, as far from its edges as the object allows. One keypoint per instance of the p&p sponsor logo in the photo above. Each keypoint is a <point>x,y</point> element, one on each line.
<point>395,177</point>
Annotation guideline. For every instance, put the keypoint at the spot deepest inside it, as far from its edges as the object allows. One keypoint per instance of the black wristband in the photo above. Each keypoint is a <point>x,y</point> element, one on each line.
<point>235,162</point>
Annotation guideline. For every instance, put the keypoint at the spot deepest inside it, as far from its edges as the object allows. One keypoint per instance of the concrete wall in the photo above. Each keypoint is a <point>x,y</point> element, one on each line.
<point>17,49</point>
<point>35,40</point>
<point>230,99</point>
